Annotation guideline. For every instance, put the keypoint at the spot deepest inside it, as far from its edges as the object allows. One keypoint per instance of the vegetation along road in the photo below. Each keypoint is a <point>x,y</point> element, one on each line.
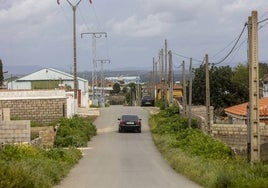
<point>120,160</point>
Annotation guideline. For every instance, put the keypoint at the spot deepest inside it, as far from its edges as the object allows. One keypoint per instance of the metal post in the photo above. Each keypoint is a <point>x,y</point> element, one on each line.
<point>94,78</point>
<point>102,61</point>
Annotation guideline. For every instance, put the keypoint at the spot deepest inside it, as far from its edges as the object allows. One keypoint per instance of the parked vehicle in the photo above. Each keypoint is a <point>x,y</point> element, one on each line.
<point>147,101</point>
<point>129,123</point>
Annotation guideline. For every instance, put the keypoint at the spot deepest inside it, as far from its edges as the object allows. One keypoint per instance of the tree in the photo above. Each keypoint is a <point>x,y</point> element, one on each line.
<point>1,73</point>
<point>199,86</point>
<point>116,88</point>
<point>227,87</point>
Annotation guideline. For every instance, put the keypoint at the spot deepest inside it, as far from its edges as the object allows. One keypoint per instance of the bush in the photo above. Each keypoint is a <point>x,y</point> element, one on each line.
<point>26,166</point>
<point>75,132</point>
<point>200,157</point>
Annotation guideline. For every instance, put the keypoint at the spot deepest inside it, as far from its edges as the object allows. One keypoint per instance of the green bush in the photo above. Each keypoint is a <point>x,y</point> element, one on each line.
<point>75,132</point>
<point>29,167</point>
<point>200,157</point>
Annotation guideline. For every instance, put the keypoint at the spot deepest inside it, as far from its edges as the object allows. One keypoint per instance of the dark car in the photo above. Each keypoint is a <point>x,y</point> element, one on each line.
<point>129,123</point>
<point>147,101</point>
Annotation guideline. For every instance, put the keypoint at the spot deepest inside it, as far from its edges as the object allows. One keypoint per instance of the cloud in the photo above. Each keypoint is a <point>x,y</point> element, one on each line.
<point>151,25</point>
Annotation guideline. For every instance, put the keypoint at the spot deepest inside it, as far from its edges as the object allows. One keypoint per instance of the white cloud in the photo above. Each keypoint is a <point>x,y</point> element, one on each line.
<point>152,25</point>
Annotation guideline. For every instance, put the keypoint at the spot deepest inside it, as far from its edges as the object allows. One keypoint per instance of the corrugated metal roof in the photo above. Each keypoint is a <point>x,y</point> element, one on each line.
<point>49,74</point>
<point>241,109</point>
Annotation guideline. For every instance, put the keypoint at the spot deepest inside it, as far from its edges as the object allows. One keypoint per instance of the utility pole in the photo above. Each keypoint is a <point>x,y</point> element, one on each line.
<point>74,52</point>
<point>184,99</point>
<point>165,82</point>
<point>102,61</point>
<point>208,112</point>
<point>162,74</point>
<point>190,95</point>
<point>155,80</point>
<point>170,77</point>
<point>94,77</point>
<point>254,120</point>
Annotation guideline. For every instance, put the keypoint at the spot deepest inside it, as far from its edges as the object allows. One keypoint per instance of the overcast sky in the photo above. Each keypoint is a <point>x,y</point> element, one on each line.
<point>40,32</point>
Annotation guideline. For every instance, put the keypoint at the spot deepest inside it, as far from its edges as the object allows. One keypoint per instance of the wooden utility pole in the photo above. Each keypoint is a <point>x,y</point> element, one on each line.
<point>184,98</point>
<point>190,96</point>
<point>254,120</point>
<point>208,112</point>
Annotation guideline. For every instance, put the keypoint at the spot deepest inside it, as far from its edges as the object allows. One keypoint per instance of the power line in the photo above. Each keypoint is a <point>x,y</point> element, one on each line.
<point>264,20</point>
<point>230,52</point>
<point>186,57</point>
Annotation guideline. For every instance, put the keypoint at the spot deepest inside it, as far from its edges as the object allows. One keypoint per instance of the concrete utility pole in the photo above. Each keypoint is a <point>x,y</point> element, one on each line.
<point>170,77</point>
<point>190,95</point>
<point>155,78</point>
<point>166,67</point>
<point>74,52</point>
<point>94,77</point>
<point>208,112</point>
<point>162,74</point>
<point>254,120</point>
<point>184,98</point>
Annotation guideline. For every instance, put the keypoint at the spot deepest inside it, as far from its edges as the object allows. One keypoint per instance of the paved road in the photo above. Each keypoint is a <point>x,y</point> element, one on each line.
<point>123,160</point>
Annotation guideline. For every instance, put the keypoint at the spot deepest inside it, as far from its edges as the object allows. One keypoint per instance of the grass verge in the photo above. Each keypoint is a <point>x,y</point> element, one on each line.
<point>200,157</point>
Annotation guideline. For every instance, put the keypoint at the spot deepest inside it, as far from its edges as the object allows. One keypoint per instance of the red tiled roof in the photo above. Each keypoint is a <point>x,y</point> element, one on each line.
<point>241,109</point>
<point>177,87</point>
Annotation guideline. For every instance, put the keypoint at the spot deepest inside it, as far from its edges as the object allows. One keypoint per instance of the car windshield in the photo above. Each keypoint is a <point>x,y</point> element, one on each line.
<point>130,118</point>
<point>147,97</point>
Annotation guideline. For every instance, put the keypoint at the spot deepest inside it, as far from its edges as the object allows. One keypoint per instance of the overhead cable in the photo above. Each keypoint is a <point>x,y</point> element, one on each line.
<point>230,52</point>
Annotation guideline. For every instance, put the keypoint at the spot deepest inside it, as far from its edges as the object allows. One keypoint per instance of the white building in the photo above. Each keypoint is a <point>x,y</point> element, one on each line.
<point>49,78</point>
<point>125,79</point>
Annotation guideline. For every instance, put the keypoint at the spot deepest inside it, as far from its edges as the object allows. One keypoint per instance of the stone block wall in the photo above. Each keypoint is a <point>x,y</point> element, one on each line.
<point>41,111</point>
<point>235,135</point>
<point>15,131</point>
<point>46,135</point>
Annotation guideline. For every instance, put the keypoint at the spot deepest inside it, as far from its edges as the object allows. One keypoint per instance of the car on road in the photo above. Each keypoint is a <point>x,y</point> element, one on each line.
<point>129,122</point>
<point>147,101</point>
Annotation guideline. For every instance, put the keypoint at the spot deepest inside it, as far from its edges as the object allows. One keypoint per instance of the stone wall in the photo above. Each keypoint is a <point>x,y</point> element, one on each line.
<point>41,111</point>
<point>46,135</point>
<point>42,107</point>
<point>235,135</point>
<point>15,131</point>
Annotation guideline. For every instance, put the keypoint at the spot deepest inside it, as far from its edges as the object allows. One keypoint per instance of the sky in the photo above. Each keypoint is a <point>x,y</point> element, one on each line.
<point>40,33</point>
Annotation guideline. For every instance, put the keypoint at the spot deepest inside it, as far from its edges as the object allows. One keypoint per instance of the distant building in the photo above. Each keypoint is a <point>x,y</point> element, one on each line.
<point>125,79</point>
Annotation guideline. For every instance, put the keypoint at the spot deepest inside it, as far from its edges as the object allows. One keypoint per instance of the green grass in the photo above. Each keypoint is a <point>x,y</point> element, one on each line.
<point>200,157</point>
<point>25,166</point>
<point>29,167</point>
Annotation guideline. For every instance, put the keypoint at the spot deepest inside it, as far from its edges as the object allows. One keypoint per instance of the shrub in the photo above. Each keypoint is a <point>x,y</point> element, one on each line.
<point>26,166</point>
<point>75,132</point>
<point>202,158</point>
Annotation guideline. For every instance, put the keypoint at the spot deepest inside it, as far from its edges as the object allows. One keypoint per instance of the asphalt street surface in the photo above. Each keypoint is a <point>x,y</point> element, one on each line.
<point>123,160</point>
